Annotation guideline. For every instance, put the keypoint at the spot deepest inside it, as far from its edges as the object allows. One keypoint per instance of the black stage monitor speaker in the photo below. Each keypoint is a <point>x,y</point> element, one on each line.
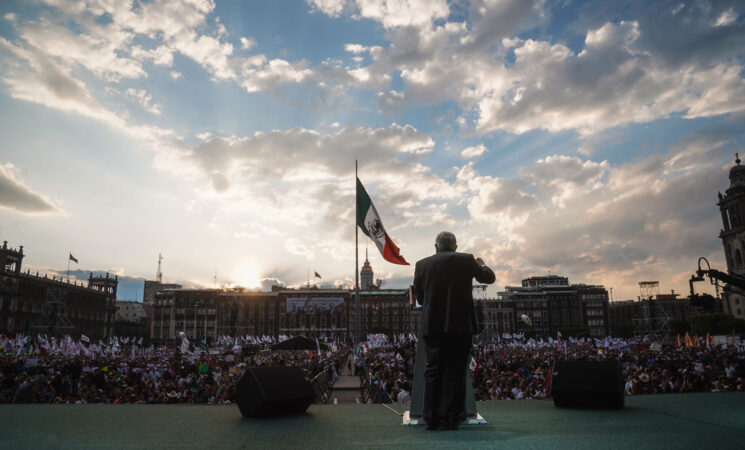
<point>587,384</point>
<point>271,391</point>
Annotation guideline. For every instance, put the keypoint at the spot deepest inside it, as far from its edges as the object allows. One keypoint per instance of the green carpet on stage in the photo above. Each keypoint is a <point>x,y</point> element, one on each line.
<point>705,420</point>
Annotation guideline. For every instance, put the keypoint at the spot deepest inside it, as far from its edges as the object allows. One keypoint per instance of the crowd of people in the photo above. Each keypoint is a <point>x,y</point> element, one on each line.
<point>513,369</point>
<point>159,375</point>
<point>504,369</point>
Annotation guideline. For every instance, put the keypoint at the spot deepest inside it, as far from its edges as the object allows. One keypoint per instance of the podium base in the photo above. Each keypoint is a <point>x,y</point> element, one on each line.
<point>474,420</point>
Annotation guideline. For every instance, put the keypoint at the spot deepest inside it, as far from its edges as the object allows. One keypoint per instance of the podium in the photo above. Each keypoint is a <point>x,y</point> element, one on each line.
<point>414,415</point>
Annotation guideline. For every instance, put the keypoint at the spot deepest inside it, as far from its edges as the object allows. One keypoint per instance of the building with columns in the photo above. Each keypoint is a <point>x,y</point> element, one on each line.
<point>551,303</point>
<point>40,304</point>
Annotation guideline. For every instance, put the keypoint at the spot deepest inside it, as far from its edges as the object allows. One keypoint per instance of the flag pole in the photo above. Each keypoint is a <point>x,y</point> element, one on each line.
<point>68,267</point>
<point>356,264</point>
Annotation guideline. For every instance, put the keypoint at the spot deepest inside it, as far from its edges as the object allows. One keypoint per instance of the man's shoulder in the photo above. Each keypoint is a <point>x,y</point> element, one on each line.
<point>424,261</point>
<point>463,255</point>
<point>446,258</point>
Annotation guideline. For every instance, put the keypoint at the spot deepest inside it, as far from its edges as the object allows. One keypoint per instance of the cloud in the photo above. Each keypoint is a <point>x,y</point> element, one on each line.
<point>498,19</point>
<point>160,56</point>
<point>248,43</point>
<point>333,8</point>
<point>597,222</point>
<point>14,194</point>
<point>33,76</point>
<point>284,154</point>
<point>586,149</point>
<point>680,61</point>
<point>496,199</point>
<point>128,288</point>
<point>144,99</point>
<point>397,13</point>
<point>473,151</point>
<point>96,50</point>
<point>726,18</point>
<point>660,64</point>
<point>391,13</point>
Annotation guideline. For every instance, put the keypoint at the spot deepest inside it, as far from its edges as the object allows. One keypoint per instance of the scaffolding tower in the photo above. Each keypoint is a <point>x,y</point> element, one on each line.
<point>234,320</point>
<point>649,289</point>
<point>486,328</point>
<point>652,321</point>
<point>53,320</point>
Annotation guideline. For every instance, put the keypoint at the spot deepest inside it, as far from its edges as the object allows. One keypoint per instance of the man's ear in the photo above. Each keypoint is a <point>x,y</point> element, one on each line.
<point>436,249</point>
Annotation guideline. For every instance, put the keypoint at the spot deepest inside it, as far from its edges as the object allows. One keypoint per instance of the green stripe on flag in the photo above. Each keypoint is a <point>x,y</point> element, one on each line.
<point>363,204</point>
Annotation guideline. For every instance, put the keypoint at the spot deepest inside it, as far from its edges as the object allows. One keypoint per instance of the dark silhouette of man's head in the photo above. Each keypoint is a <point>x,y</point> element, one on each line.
<point>445,242</point>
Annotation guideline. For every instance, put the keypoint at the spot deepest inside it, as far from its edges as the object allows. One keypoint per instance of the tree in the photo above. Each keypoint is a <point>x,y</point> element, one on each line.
<point>680,326</point>
<point>623,331</point>
<point>704,303</point>
<point>716,323</point>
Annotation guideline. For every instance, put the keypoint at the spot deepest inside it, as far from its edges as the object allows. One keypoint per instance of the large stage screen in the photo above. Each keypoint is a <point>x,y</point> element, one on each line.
<point>313,305</point>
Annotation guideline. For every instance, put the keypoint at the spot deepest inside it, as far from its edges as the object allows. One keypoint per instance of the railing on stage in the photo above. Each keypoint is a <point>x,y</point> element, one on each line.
<point>372,392</point>
<point>322,385</point>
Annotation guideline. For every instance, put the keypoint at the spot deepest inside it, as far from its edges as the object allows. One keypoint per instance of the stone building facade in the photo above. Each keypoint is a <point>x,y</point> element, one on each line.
<point>208,313</point>
<point>732,208</point>
<point>130,319</point>
<point>551,303</point>
<point>39,304</point>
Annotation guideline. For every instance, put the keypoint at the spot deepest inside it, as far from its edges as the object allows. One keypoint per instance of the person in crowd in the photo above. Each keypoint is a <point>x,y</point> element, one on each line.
<point>512,369</point>
<point>156,378</point>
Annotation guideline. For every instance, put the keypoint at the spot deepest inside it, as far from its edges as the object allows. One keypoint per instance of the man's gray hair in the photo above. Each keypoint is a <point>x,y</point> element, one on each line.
<point>445,242</point>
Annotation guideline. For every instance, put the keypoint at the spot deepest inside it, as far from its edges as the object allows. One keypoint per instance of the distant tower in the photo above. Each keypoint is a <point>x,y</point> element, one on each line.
<point>649,289</point>
<point>732,207</point>
<point>11,259</point>
<point>366,274</point>
<point>104,284</point>
<point>159,275</point>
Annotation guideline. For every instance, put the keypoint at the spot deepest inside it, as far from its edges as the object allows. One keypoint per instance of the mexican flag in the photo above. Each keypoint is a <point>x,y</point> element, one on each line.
<point>368,220</point>
<point>186,346</point>
<point>472,363</point>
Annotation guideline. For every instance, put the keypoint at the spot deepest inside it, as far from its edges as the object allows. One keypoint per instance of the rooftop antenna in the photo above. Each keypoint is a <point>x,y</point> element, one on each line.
<point>159,275</point>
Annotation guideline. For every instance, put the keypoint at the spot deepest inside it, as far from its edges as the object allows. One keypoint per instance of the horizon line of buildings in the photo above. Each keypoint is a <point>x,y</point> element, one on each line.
<point>32,303</point>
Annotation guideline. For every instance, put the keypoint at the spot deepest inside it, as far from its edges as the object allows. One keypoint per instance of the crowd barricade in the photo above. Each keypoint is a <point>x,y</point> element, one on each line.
<point>321,384</point>
<point>365,385</point>
<point>372,392</point>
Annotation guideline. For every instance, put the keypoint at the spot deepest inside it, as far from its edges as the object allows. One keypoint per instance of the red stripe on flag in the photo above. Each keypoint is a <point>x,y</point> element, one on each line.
<point>391,253</point>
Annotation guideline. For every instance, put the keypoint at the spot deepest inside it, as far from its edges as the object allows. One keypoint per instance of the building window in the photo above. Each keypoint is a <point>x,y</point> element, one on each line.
<point>738,257</point>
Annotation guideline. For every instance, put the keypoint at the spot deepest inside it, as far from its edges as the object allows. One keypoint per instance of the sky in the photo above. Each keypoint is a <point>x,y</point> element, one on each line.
<point>583,139</point>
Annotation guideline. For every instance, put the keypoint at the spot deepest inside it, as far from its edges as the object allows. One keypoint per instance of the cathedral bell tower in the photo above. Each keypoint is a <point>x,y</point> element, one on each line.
<point>732,207</point>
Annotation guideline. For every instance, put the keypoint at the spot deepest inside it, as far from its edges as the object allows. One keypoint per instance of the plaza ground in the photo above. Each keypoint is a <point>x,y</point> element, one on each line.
<point>696,420</point>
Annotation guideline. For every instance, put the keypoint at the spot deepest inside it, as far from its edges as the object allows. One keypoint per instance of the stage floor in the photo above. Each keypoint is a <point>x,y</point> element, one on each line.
<point>700,420</point>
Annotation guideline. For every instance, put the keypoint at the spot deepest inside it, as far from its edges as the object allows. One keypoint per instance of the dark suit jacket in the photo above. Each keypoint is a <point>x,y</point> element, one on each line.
<point>443,285</point>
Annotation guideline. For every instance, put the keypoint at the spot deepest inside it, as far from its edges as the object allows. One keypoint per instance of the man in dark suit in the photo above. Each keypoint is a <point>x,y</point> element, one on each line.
<point>443,286</point>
